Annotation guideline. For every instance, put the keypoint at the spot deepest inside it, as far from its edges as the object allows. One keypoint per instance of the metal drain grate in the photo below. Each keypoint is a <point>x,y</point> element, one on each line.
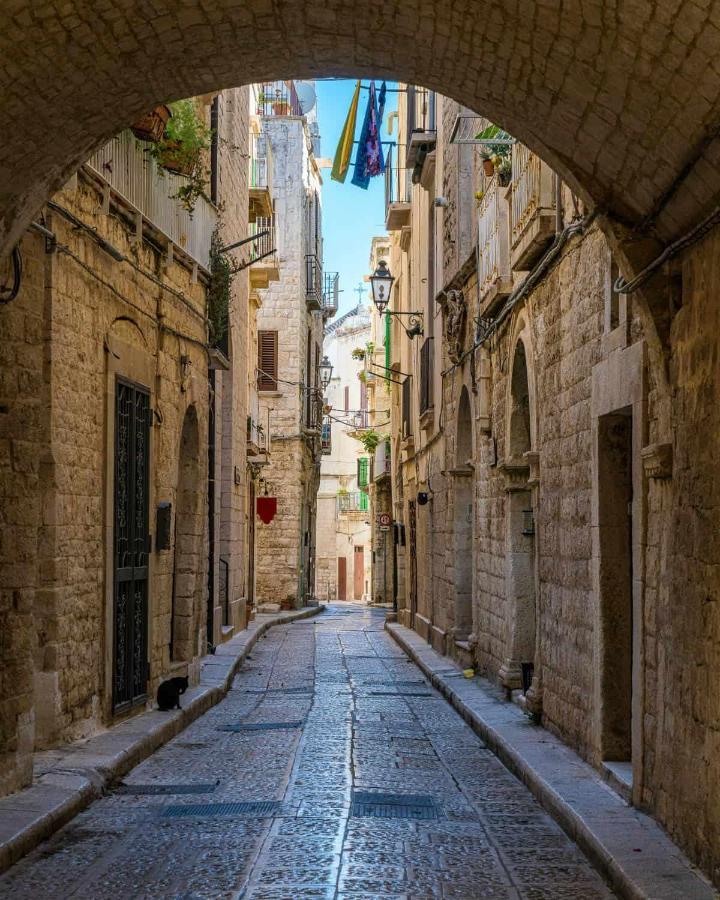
<point>262,726</point>
<point>260,808</point>
<point>166,788</point>
<point>379,805</point>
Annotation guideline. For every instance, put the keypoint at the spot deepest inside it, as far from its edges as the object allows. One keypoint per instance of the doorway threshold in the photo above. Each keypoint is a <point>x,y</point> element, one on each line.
<point>619,776</point>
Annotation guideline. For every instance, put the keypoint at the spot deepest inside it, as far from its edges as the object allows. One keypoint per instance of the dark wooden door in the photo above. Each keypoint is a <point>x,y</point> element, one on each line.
<point>131,544</point>
<point>342,578</point>
<point>358,572</point>
<point>412,548</point>
<point>251,549</point>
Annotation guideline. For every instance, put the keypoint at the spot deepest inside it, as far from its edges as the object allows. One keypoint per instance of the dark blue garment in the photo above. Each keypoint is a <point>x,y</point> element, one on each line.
<point>360,177</point>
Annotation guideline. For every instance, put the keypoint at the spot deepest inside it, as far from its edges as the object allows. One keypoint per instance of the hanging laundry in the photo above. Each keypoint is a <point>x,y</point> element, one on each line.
<point>369,160</point>
<point>341,163</point>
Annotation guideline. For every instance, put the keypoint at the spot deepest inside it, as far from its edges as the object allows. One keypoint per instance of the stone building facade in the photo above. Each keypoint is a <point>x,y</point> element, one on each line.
<point>114,445</point>
<point>290,325</point>
<point>344,506</point>
<point>559,492</point>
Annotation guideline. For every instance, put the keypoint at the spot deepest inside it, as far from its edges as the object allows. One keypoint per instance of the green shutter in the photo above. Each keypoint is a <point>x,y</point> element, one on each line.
<point>363,471</point>
<point>364,502</point>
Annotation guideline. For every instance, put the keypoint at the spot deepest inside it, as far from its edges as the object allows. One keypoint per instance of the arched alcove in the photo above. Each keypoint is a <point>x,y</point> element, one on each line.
<point>463,518</point>
<point>520,579</point>
<point>188,562</point>
<point>72,75</point>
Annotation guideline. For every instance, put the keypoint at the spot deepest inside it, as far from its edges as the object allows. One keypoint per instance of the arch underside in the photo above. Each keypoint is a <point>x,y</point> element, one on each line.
<point>620,98</point>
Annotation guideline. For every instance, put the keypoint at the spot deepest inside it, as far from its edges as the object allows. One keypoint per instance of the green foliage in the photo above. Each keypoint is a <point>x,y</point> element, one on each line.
<point>370,439</point>
<point>183,149</point>
<point>358,353</point>
<point>219,290</point>
<point>490,149</point>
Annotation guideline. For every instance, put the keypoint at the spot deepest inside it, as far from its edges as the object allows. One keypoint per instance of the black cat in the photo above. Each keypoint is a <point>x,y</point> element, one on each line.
<point>168,694</point>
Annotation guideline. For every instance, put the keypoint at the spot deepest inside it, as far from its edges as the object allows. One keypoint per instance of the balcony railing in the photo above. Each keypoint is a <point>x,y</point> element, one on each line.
<point>426,375</point>
<point>398,191</point>
<point>331,292</point>
<point>381,467</point>
<point>143,187</point>
<point>264,245</point>
<point>326,437</point>
<point>420,124</point>
<point>494,275</point>
<point>533,206</point>
<point>313,281</point>
<point>278,98</point>
<point>355,501</point>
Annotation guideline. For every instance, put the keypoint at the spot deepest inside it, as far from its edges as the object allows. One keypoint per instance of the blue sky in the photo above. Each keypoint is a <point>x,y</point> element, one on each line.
<point>351,216</point>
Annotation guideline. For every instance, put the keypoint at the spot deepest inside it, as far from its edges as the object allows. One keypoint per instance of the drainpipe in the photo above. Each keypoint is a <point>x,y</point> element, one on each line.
<point>559,217</point>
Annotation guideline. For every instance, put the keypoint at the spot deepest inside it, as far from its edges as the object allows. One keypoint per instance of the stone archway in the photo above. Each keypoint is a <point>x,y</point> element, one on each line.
<point>621,99</point>
<point>520,575</point>
<point>188,563</point>
<point>463,520</point>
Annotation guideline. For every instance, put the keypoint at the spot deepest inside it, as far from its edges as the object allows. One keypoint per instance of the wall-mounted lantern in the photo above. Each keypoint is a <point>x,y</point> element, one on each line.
<point>326,370</point>
<point>382,281</point>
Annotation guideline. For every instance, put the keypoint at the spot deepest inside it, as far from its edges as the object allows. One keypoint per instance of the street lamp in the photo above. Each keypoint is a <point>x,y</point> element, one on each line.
<point>326,370</point>
<point>382,282</point>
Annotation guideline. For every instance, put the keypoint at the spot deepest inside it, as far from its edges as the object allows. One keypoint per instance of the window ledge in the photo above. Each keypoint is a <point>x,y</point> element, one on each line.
<point>270,393</point>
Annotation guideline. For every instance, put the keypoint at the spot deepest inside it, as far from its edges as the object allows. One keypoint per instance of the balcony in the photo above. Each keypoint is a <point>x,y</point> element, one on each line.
<point>263,261</point>
<point>313,282</point>
<point>426,381</point>
<point>129,176</point>
<point>533,207</point>
<point>381,467</point>
<point>261,177</point>
<point>354,504</point>
<point>331,293</point>
<point>398,192</point>
<point>420,126</point>
<point>278,98</point>
<point>494,272</point>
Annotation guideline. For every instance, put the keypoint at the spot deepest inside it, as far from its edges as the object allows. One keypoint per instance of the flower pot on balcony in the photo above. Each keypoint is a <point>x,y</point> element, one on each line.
<point>151,127</point>
<point>488,167</point>
<point>281,108</point>
<point>175,158</point>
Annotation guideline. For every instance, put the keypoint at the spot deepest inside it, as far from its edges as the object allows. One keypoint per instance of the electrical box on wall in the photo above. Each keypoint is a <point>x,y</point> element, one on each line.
<point>163,521</point>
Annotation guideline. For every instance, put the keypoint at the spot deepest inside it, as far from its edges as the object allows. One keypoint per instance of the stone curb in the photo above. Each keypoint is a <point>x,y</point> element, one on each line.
<point>69,778</point>
<point>627,847</point>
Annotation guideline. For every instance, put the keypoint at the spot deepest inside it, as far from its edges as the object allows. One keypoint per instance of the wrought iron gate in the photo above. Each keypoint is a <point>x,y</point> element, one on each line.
<point>131,544</point>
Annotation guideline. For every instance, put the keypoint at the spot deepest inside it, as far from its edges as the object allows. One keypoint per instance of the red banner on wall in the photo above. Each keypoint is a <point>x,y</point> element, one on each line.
<point>266,508</point>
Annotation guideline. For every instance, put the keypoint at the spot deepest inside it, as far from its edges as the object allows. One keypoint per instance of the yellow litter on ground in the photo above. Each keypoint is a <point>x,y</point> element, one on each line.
<point>469,673</point>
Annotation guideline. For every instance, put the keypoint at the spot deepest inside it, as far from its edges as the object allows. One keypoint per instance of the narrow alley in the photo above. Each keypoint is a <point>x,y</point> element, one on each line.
<point>273,794</point>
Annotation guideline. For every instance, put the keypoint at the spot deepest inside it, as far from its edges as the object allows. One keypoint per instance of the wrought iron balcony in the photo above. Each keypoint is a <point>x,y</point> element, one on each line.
<point>331,293</point>
<point>533,207</point>
<point>398,192</point>
<point>132,178</point>
<point>407,425</point>
<point>278,98</point>
<point>313,282</point>
<point>421,128</point>
<point>261,177</point>
<point>494,273</point>
<point>353,502</point>
<point>326,437</point>
<point>263,252</point>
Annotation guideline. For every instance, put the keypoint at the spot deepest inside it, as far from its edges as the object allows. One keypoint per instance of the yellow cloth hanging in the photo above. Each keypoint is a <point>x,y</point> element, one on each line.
<point>341,163</point>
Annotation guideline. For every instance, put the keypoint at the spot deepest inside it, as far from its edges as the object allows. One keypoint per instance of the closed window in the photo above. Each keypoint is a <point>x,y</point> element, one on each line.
<point>267,360</point>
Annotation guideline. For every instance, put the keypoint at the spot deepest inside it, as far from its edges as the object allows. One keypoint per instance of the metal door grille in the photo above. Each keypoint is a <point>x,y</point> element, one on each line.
<point>131,544</point>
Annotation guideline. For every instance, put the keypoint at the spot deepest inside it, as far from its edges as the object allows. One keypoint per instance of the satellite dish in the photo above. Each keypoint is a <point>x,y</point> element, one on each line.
<point>306,95</point>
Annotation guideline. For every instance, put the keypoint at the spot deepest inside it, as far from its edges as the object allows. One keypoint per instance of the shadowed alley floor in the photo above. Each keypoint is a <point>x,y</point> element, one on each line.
<point>289,789</point>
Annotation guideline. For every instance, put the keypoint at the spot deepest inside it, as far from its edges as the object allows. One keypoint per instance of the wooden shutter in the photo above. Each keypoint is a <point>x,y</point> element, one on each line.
<point>267,360</point>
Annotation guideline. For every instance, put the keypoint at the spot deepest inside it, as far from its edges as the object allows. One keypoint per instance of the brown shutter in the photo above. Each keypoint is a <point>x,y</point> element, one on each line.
<point>267,360</point>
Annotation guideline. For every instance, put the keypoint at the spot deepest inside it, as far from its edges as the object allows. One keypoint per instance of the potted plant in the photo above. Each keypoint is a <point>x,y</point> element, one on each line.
<point>358,353</point>
<point>183,150</point>
<point>151,127</point>
<point>504,170</point>
<point>280,107</point>
<point>488,164</point>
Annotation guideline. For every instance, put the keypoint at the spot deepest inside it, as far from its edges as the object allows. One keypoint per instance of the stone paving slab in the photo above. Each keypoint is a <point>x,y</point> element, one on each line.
<point>69,778</point>
<point>628,847</point>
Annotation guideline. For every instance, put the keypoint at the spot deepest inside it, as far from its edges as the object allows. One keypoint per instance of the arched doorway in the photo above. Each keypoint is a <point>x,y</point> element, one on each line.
<point>520,582</point>
<point>189,538</point>
<point>463,518</point>
<point>140,55</point>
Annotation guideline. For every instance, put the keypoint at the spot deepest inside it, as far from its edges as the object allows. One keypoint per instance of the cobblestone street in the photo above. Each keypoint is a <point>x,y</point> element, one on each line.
<point>266,795</point>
